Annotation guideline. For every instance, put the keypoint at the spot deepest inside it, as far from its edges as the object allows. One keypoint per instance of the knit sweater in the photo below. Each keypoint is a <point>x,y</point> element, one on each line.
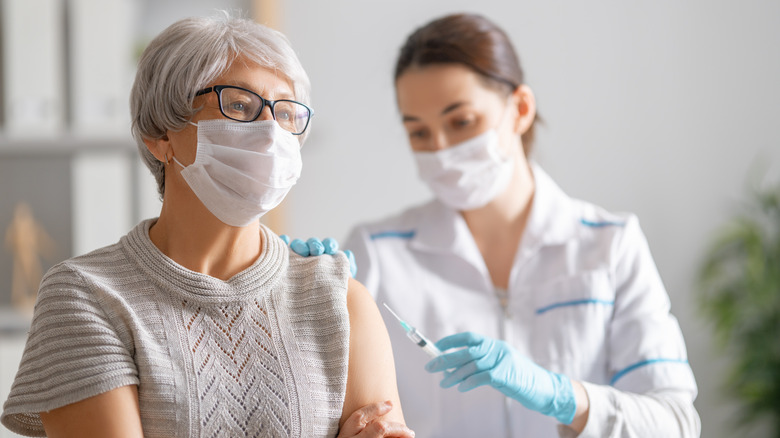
<point>262,354</point>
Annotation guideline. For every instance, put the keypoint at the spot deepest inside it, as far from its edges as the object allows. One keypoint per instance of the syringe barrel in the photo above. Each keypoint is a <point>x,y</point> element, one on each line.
<point>431,350</point>
<point>423,343</point>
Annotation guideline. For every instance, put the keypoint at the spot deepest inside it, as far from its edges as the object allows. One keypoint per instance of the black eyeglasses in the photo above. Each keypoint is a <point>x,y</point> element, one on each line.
<point>244,105</point>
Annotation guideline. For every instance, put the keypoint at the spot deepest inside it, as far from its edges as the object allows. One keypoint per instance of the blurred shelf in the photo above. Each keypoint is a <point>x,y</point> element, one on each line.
<point>63,144</point>
<point>13,323</point>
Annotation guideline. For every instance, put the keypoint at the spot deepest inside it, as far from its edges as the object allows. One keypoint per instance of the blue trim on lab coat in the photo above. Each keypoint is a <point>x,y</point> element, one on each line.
<point>574,303</point>
<point>592,224</point>
<point>628,369</point>
<point>394,234</point>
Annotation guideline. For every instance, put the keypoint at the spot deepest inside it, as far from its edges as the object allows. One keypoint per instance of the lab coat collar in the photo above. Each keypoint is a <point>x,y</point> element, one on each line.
<point>552,221</point>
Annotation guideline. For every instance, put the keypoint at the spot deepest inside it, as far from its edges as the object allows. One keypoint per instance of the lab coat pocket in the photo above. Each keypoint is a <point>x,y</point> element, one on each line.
<point>571,323</point>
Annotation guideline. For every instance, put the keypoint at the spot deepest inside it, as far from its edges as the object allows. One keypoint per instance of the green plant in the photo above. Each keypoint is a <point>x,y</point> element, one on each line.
<point>740,294</point>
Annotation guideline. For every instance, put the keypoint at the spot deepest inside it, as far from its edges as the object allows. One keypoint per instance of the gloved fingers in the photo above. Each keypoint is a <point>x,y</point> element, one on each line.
<point>456,359</point>
<point>300,247</point>
<point>476,380</point>
<point>352,262</point>
<point>452,378</point>
<point>465,339</point>
<point>316,248</point>
<point>331,245</point>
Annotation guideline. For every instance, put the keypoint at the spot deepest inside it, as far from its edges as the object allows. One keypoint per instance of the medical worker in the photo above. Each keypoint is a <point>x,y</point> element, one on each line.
<point>550,310</point>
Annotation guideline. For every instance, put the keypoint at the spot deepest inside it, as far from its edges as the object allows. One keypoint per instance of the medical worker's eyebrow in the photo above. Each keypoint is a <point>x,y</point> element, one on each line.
<point>453,107</point>
<point>448,109</point>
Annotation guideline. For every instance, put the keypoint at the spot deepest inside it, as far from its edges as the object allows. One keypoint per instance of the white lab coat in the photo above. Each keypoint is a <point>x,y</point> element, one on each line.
<point>584,299</point>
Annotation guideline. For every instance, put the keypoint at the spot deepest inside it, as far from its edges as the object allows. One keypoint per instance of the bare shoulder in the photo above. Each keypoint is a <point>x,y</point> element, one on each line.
<point>367,329</point>
<point>359,300</point>
<point>371,375</point>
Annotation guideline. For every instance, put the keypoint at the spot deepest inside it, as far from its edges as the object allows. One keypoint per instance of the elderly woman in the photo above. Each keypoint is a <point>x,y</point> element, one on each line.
<point>201,322</point>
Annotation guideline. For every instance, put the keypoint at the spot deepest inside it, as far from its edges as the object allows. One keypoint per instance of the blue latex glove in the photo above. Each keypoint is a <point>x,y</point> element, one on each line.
<point>487,361</point>
<point>316,247</point>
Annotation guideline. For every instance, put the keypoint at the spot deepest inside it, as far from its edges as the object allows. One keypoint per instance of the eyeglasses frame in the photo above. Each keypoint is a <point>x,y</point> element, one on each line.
<point>218,89</point>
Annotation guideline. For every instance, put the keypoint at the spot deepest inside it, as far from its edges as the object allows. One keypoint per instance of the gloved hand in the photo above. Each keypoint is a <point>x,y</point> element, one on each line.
<point>487,361</point>
<point>317,247</point>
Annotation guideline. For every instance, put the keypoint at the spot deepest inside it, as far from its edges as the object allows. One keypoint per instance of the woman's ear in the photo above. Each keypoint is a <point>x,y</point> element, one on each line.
<point>160,148</point>
<point>525,102</point>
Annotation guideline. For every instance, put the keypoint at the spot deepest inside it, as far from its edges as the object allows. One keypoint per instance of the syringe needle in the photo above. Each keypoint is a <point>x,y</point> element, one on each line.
<point>391,311</point>
<point>407,327</point>
<point>415,336</point>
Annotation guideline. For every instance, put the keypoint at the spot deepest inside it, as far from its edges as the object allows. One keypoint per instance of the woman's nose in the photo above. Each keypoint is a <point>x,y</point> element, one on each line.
<point>439,141</point>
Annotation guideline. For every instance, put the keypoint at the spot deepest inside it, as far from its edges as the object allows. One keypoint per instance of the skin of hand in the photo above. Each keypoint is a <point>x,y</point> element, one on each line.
<point>366,423</point>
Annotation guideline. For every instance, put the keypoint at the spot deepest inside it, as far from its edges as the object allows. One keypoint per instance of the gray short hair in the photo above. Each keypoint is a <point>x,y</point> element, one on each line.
<point>186,57</point>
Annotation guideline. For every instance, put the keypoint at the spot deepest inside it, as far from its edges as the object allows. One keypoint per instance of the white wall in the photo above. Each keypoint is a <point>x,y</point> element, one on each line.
<point>661,108</point>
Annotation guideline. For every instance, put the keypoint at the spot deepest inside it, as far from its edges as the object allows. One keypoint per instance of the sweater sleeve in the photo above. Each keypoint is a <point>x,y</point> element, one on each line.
<point>73,352</point>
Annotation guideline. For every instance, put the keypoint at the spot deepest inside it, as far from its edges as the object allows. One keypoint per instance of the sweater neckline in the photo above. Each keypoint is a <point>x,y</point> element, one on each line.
<point>253,281</point>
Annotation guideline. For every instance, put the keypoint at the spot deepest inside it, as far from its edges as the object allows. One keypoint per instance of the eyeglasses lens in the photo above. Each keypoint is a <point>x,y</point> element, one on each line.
<point>239,104</point>
<point>245,106</point>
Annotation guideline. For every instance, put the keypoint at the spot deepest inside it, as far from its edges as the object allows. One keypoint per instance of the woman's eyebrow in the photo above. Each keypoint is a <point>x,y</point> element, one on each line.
<point>448,109</point>
<point>452,107</point>
<point>264,91</point>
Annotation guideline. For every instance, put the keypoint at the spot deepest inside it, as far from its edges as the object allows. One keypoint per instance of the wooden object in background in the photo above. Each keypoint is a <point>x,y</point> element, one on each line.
<point>268,13</point>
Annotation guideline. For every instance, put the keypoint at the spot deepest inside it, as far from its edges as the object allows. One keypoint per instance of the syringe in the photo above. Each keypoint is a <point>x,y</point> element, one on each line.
<point>416,336</point>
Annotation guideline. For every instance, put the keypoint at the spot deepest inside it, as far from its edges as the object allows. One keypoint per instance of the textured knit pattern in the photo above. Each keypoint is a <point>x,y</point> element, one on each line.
<point>233,350</point>
<point>263,354</point>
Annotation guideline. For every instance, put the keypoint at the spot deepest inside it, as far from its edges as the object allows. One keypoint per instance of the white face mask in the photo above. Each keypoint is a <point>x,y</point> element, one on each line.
<point>242,170</point>
<point>468,175</point>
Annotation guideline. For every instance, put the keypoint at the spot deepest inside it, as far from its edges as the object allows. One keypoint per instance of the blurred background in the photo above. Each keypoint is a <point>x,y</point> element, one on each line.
<point>667,109</point>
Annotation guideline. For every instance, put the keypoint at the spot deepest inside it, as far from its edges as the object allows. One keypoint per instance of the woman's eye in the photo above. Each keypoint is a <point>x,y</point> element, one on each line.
<point>418,134</point>
<point>462,122</point>
<point>237,106</point>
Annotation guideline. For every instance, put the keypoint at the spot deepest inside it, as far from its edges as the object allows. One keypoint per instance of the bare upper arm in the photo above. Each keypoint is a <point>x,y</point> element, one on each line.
<point>113,414</point>
<point>371,376</point>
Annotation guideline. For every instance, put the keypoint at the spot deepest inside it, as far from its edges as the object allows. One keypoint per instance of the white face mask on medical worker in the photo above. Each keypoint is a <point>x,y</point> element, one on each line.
<point>242,170</point>
<point>467,175</point>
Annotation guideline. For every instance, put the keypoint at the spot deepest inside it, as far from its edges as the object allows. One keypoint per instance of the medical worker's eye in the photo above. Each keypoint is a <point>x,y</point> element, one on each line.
<point>418,134</point>
<point>463,122</point>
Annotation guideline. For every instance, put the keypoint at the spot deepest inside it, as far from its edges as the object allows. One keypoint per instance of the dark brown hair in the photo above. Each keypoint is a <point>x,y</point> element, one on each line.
<point>470,40</point>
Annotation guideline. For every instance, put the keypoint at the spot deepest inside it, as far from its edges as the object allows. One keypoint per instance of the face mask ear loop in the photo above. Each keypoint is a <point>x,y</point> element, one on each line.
<point>167,161</point>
